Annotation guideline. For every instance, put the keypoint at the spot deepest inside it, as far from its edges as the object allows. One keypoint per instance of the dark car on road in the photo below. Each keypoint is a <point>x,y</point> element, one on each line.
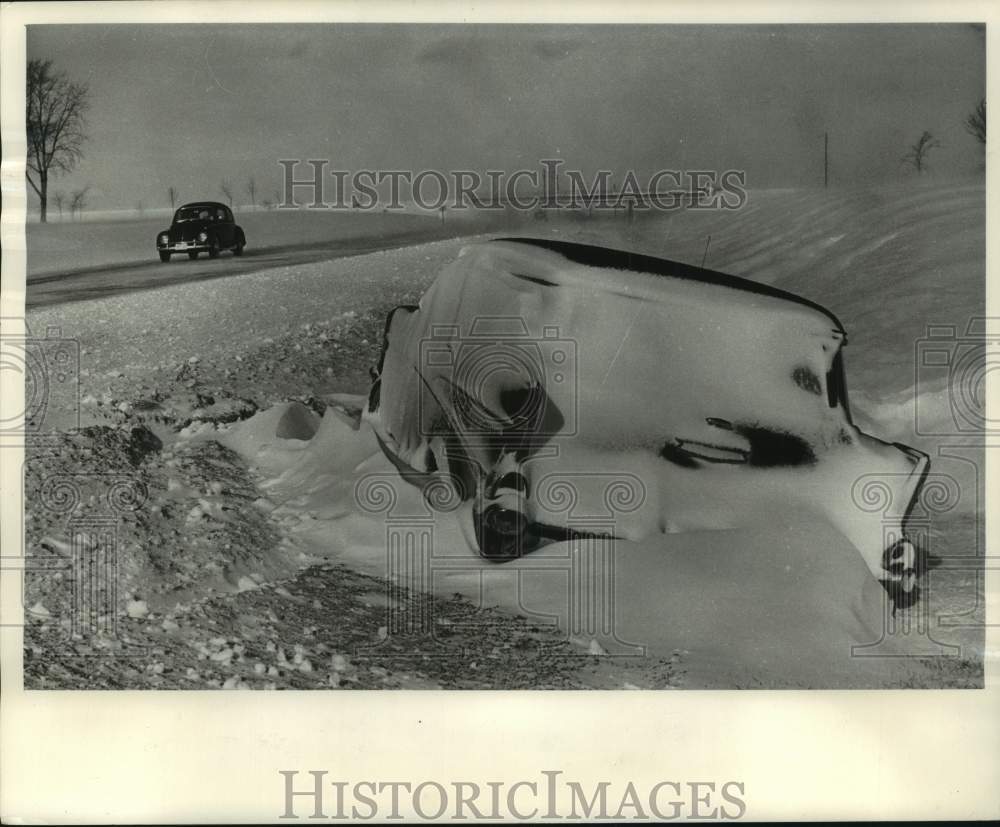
<point>201,227</point>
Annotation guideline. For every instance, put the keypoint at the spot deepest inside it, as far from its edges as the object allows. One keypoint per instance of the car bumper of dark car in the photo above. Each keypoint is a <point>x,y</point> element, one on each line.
<point>182,246</point>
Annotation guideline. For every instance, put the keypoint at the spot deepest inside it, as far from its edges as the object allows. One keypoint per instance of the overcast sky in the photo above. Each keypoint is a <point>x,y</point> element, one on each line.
<point>190,105</point>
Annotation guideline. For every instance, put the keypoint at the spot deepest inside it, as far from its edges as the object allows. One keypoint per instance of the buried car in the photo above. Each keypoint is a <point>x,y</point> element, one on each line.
<point>201,227</point>
<point>546,381</point>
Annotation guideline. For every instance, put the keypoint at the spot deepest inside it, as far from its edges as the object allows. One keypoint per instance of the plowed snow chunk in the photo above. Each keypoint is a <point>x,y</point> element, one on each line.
<point>225,411</point>
<point>137,609</point>
<point>223,656</point>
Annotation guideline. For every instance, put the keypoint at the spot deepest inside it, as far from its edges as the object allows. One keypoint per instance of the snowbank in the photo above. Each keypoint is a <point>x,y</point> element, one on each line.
<point>786,604</point>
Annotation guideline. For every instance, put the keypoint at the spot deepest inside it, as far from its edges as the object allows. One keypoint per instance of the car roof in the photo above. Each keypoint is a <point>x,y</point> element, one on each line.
<point>587,254</point>
<point>212,204</point>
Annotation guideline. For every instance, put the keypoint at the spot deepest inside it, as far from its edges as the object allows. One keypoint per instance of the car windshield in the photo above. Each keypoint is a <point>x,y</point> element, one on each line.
<point>194,214</point>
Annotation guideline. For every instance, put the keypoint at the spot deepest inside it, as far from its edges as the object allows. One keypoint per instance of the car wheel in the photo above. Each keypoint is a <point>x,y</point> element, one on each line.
<point>213,251</point>
<point>238,250</point>
<point>164,256</point>
<point>193,255</point>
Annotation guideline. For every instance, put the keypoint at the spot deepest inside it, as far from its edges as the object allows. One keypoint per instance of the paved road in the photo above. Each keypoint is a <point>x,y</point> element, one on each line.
<point>101,282</point>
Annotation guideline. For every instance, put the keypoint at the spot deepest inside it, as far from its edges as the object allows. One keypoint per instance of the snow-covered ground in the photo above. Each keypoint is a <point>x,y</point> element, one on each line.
<point>880,260</point>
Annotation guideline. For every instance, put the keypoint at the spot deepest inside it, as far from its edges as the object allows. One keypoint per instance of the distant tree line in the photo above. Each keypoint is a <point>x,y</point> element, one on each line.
<point>228,192</point>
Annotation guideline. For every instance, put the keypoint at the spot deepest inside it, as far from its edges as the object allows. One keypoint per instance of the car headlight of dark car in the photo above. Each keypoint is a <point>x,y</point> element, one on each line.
<point>203,237</point>
<point>164,238</point>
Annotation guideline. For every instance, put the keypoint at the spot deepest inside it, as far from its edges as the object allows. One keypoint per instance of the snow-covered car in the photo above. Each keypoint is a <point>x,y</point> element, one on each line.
<point>201,227</point>
<point>535,373</point>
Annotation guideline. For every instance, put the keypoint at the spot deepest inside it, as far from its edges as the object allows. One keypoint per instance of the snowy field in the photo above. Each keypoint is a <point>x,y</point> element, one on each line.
<point>230,573</point>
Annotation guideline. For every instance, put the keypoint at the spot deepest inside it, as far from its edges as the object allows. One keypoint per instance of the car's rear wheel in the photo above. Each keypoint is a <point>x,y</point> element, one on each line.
<point>164,256</point>
<point>193,255</point>
<point>238,250</point>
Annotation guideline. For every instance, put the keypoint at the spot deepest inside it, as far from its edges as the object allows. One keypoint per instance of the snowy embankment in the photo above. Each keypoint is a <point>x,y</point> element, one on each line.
<point>176,369</point>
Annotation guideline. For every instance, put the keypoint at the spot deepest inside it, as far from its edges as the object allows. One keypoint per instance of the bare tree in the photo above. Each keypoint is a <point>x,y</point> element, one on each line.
<point>227,190</point>
<point>975,124</point>
<point>77,201</point>
<point>55,125</point>
<point>172,195</point>
<point>140,208</point>
<point>917,155</point>
<point>267,204</point>
<point>60,199</point>
<point>252,192</point>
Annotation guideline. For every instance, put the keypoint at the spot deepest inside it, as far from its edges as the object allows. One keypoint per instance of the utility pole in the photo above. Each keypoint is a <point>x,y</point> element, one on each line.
<point>826,160</point>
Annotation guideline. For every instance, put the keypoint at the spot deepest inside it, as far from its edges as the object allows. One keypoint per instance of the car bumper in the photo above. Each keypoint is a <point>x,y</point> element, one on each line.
<point>183,246</point>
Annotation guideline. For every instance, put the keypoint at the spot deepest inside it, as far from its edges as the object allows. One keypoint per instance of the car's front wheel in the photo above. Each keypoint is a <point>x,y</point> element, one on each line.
<point>193,255</point>
<point>213,250</point>
<point>164,256</point>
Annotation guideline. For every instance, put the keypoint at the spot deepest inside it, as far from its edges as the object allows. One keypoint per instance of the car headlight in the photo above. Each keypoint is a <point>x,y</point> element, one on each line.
<point>164,239</point>
<point>203,237</point>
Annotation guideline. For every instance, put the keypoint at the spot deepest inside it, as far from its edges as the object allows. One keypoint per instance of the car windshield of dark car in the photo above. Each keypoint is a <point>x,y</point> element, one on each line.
<point>193,214</point>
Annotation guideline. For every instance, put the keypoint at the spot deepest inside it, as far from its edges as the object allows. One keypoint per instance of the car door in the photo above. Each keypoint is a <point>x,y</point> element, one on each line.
<point>224,227</point>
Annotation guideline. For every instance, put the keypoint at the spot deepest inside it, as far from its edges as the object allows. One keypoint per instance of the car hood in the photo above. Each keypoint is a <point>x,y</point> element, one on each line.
<point>187,230</point>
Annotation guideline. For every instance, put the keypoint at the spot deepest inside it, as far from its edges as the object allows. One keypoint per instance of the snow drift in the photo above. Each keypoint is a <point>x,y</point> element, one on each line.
<point>672,447</point>
<point>783,603</point>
